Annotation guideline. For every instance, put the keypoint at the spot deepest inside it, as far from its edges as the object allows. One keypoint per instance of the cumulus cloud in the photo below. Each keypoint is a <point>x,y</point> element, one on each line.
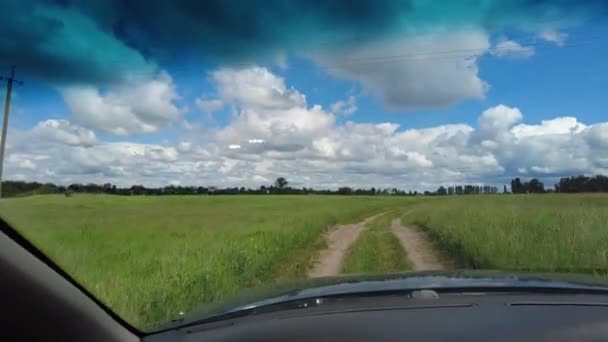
<point>268,110</point>
<point>408,73</point>
<point>346,107</point>
<point>358,154</point>
<point>140,106</point>
<point>277,133</point>
<point>64,132</point>
<point>512,49</point>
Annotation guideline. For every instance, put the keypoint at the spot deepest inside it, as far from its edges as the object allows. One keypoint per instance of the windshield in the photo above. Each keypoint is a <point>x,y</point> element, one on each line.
<point>172,156</point>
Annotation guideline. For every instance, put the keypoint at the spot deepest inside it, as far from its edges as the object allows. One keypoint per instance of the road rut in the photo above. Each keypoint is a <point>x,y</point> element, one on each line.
<point>418,247</point>
<point>329,262</point>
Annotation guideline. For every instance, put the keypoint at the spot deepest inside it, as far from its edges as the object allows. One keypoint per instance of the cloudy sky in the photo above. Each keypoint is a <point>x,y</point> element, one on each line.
<point>406,94</point>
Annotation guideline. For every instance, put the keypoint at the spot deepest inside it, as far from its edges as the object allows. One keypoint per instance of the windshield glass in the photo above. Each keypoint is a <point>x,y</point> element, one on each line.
<point>171,156</point>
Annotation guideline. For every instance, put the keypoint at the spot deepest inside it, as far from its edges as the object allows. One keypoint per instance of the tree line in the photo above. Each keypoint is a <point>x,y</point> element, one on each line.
<point>281,186</point>
<point>574,184</point>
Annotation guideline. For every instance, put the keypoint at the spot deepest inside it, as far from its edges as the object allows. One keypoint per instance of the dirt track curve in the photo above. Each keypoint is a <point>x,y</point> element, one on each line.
<point>419,249</point>
<point>339,238</point>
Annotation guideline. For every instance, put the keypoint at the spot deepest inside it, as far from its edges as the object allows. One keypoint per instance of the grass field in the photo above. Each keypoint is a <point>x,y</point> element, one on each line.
<point>377,250</point>
<point>150,258</point>
<point>543,233</point>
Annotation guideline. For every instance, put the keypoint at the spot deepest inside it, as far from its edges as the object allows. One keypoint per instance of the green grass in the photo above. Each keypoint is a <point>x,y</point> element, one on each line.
<point>377,250</point>
<point>149,258</point>
<point>542,233</point>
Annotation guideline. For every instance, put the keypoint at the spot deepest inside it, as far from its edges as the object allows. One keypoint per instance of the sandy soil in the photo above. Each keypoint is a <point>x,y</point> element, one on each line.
<point>339,238</point>
<point>419,249</point>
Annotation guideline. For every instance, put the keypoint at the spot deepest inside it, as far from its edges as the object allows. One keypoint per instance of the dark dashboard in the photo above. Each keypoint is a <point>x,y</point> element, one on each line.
<point>447,317</point>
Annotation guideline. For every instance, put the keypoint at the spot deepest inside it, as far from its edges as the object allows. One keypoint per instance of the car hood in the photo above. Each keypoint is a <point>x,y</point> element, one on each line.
<point>348,285</point>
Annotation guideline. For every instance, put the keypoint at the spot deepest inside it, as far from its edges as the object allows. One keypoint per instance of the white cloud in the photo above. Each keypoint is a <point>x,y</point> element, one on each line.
<point>64,132</point>
<point>22,161</point>
<point>184,146</point>
<point>256,88</point>
<point>266,109</point>
<point>277,133</point>
<point>494,125</point>
<point>512,49</point>
<point>345,107</point>
<point>558,38</point>
<point>412,72</point>
<point>142,106</point>
<point>563,125</point>
<point>597,135</point>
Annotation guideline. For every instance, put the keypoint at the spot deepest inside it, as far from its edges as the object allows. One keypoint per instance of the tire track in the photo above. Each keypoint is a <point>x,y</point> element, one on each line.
<point>339,239</point>
<point>418,247</point>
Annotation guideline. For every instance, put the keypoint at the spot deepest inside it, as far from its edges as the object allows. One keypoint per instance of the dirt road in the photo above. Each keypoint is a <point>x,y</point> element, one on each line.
<point>339,238</point>
<point>419,249</point>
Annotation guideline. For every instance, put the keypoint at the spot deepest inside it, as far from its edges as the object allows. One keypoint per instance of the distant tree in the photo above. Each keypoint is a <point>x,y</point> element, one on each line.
<point>535,186</point>
<point>345,190</point>
<point>504,189</point>
<point>582,183</point>
<point>516,186</point>
<point>281,183</point>
<point>442,191</point>
<point>138,190</point>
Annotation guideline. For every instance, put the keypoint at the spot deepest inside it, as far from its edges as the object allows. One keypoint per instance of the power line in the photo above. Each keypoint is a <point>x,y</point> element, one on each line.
<point>7,103</point>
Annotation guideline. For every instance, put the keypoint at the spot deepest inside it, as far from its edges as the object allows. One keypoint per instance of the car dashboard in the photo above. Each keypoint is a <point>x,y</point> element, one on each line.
<point>454,317</point>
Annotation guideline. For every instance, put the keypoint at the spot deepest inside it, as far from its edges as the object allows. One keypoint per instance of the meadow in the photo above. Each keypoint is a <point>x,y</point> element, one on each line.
<point>149,258</point>
<point>540,233</point>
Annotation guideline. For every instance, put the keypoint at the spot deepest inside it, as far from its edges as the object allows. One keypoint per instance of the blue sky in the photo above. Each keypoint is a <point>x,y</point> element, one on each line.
<point>420,106</point>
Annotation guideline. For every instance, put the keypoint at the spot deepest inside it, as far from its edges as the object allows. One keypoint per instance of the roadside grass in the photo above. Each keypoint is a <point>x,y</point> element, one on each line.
<point>540,233</point>
<point>377,250</point>
<point>149,258</point>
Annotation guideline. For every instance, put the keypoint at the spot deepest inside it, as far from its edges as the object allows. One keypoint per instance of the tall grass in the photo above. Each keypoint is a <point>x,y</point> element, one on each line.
<point>149,258</point>
<point>377,250</point>
<point>548,233</point>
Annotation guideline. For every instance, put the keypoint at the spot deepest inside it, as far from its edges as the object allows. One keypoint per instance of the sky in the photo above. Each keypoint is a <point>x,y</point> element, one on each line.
<point>408,94</point>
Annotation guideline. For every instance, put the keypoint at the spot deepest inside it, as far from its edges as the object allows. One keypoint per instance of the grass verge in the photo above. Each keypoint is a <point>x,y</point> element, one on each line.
<point>377,250</point>
<point>540,233</point>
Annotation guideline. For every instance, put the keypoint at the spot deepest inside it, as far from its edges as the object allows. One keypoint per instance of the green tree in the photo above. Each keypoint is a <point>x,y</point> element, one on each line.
<point>281,183</point>
<point>516,186</point>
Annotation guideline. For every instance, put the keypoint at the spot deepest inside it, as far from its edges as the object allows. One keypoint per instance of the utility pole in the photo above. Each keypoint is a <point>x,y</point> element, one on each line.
<point>7,104</point>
